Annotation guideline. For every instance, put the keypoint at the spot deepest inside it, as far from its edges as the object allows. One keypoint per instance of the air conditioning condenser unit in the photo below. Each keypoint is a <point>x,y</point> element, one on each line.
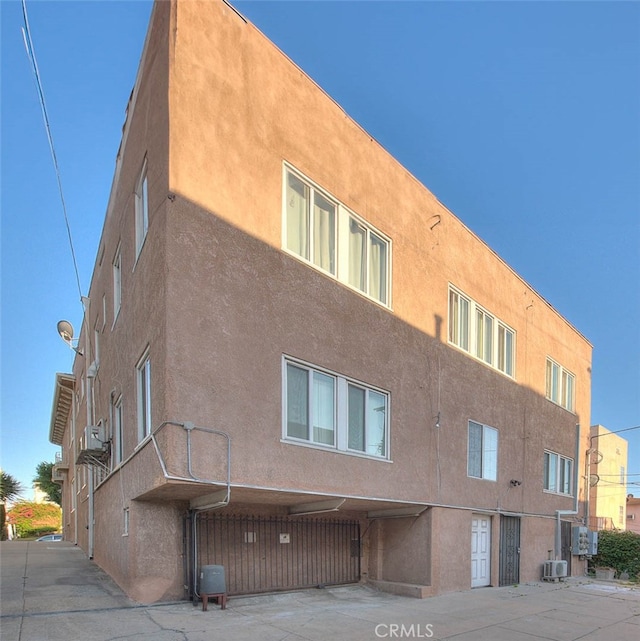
<point>554,570</point>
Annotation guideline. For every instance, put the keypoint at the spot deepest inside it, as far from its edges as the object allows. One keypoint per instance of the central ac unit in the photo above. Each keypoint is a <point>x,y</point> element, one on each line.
<point>554,570</point>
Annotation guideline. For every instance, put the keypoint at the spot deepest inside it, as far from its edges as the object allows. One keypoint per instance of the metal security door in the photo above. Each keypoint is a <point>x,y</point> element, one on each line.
<point>264,554</point>
<point>565,543</point>
<point>480,550</point>
<point>509,550</point>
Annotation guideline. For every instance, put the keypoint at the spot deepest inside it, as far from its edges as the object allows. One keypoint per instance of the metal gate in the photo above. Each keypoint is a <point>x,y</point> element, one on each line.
<point>509,550</point>
<point>264,554</point>
<point>565,543</point>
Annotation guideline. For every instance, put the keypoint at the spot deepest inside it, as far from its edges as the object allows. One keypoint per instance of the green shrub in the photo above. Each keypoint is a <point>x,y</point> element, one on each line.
<point>620,551</point>
<point>33,519</point>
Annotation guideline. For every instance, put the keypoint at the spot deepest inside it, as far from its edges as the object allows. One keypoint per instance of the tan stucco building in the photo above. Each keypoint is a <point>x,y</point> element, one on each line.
<point>296,362</point>
<point>607,480</point>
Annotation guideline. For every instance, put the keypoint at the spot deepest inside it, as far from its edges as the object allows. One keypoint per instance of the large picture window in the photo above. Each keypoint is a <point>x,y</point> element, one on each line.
<point>482,460</point>
<point>326,409</point>
<point>323,232</point>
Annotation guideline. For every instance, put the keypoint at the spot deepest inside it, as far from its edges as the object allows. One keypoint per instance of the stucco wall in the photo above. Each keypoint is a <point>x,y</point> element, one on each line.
<point>217,109</point>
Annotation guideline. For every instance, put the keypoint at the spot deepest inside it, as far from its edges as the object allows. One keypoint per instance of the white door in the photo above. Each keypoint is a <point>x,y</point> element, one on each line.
<point>480,550</point>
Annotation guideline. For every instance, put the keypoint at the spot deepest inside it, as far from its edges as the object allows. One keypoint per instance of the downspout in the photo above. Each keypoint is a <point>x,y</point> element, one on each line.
<point>91,372</point>
<point>560,513</point>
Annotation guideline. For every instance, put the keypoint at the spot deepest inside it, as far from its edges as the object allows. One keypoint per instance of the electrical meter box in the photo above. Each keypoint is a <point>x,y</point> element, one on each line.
<point>580,540</point>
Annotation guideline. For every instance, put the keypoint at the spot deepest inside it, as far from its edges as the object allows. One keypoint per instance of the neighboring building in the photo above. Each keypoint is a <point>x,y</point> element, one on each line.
<point>298,363</point>
<point>633,514</point>
<point>608,480</point>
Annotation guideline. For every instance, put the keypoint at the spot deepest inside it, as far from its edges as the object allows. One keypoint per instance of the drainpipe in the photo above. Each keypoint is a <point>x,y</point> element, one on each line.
<point>91,373</point>
<point>559,513</point>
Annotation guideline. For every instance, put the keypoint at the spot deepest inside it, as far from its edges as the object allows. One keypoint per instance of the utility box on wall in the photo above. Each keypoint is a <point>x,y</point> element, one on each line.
<point>583,541</point>
<point>579,540</point>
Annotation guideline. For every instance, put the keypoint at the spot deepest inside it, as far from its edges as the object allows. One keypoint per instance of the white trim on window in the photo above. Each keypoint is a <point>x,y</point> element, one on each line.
<point>479,333</point>
<point>560,385</point>
<point>557,475</point>
<point>142,208</point>
<point>117,432</point>
<point>117,283</point>
<point>321,231</point>
<point>143,377</point>
<point>326,410</point>
<point>482,451</point>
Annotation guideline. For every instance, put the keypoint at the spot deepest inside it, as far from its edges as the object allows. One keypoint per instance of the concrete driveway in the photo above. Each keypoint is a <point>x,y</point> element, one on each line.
<point>52,592</point>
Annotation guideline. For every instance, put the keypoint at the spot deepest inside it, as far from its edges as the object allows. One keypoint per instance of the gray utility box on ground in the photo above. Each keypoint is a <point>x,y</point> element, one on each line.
<point>212,579</point>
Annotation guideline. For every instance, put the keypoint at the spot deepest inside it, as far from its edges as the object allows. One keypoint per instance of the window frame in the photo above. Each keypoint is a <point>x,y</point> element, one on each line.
<point>341,260</point>
<point>143,389</point>
<point>117,433</point>
<point>560,385</point>
<point>466,330</point>
<point>562,470</point>
<point>488,463</point>
<point>340,411</point>
<point>116,266</point>
<point>142,207</point>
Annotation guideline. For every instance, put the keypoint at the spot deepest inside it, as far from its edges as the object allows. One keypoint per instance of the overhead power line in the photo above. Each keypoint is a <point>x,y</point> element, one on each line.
<point>28,43</point>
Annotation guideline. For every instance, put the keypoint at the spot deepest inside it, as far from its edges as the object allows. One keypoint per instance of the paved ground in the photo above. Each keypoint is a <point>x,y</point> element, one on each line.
<point>51,592</point>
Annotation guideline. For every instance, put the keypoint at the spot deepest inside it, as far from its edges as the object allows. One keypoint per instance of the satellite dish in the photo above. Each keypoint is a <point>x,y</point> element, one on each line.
<point>598,456</point>
<point>593,480</point>
<point>65,329</point>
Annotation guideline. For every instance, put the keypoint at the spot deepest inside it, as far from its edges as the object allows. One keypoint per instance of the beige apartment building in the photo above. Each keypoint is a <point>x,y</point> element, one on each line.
<point>607,480</point>
<point>298,364</point>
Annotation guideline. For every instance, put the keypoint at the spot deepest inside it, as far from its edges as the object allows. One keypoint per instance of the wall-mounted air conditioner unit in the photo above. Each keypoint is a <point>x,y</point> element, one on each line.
<point>554,570</point>
<point>93,438</point>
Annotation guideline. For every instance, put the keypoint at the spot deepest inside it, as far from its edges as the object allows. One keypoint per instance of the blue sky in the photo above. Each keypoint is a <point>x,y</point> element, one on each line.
<point>523,118</point>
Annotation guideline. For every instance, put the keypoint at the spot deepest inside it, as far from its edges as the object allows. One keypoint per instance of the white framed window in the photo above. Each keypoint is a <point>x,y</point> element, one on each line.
<point>326,234</point>
<point>325,409</point>
<point>117,432</point>
<point>143,375</point>
<point>96,344</point>
<point>560,385</point>
<point>311,223</point>
<point>479,333</point>
<point>125,521</point>
<point>482,452</point>
<point>557,473</point>
<point>459,321</point>
<point>117,283</point>
<point>142,208</point>
<point>484,336</point>
<point>506,353</point>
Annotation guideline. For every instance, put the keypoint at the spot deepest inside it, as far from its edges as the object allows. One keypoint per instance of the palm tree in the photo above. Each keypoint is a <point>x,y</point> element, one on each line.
<point>10,488</point>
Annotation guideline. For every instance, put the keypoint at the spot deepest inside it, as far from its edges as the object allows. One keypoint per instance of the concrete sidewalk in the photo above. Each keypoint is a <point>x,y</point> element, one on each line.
<point>52,592</point>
